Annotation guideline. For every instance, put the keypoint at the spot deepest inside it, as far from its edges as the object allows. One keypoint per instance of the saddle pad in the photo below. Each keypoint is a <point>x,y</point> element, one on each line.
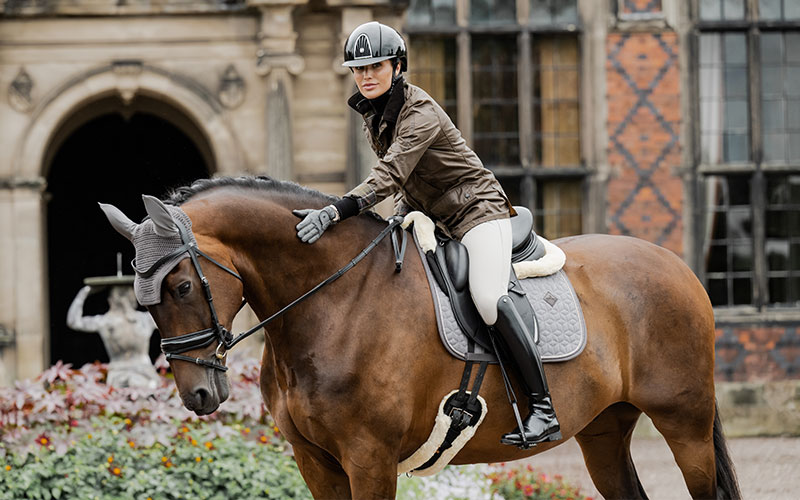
<point>562,330</point>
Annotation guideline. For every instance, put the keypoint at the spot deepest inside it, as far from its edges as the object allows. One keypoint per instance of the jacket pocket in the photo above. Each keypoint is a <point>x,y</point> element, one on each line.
<point>452,202</point>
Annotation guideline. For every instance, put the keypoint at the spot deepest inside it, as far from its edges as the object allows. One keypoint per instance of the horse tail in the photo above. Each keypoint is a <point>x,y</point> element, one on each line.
<point>727,484</point>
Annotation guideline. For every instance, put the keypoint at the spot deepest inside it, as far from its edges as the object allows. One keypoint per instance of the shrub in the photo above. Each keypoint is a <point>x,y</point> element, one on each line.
<point>198,461</point>
<point>66,434</point>
<point>528,483</point>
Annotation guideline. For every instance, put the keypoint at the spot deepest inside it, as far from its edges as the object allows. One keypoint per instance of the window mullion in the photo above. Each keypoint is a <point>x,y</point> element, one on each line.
<point>525,99</point>
<point>760,298</point>
<point>757,195</point>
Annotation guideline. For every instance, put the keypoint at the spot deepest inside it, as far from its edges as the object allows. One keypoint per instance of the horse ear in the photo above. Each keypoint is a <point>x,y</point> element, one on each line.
<point>118,220</point>
<point>163,222</point>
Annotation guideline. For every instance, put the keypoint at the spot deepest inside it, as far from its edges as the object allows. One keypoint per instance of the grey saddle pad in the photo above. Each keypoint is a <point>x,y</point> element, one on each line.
<point>562,330</point>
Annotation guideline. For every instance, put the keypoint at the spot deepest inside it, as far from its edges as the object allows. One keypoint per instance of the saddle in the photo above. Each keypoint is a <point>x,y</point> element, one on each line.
<point>450,268</point>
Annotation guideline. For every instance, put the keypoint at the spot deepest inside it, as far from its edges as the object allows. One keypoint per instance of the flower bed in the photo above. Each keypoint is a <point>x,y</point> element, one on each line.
<point>68,435</point>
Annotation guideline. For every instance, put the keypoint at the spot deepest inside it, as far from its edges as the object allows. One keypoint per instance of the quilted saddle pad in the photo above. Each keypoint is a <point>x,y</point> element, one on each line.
<point>562,330</point>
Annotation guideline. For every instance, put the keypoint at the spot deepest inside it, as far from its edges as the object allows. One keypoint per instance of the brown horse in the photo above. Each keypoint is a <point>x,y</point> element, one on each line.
<point>354,375</point>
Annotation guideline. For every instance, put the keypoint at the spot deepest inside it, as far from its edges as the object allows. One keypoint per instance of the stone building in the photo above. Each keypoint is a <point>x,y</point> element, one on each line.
<point>672,121</point>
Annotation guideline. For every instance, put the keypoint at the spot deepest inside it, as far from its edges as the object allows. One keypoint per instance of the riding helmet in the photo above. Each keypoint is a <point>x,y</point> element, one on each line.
<point>374,42</point>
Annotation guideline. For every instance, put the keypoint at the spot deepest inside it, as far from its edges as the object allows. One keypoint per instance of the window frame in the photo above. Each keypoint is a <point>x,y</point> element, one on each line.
<point>527,172</point>
<point>752,27</point>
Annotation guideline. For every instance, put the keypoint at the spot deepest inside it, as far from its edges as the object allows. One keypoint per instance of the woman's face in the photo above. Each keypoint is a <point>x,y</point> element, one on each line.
<point>373,80</point>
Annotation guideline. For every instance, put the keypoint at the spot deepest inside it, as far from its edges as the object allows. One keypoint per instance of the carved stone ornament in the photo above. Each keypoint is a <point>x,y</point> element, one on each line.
<point>266,62</point>
<point>20,92</point>
<point>231,88</point>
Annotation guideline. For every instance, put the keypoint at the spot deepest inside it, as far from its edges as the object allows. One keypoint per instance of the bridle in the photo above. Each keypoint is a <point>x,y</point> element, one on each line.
<point>173,347</point>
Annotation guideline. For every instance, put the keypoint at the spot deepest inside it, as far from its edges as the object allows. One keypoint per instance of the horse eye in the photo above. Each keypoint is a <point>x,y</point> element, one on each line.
<point>184,288</point>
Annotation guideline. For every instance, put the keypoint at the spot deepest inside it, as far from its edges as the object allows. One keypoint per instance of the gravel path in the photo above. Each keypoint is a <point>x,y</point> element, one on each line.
<point>768,468</point>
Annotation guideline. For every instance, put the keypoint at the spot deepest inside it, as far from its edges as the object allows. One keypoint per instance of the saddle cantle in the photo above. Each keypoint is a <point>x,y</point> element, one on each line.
<point>450,267</point>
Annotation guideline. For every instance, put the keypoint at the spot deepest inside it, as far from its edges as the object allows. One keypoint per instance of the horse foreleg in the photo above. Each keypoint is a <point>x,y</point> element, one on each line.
<point>373,473</point>
<point>605,444</point>
<point>324,476</point>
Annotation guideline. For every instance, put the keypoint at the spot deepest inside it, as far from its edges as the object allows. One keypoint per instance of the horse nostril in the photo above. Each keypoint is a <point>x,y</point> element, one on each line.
<point>202,397</point>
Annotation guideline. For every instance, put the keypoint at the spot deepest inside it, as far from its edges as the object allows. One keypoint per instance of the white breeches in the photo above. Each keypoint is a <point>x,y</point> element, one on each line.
<point>489,248</point>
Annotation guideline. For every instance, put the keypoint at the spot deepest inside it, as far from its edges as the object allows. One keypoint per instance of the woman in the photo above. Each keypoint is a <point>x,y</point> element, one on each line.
<point>426,165</point>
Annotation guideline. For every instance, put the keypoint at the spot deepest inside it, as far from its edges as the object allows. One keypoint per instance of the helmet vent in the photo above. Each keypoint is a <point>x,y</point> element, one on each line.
<point>363,47</point>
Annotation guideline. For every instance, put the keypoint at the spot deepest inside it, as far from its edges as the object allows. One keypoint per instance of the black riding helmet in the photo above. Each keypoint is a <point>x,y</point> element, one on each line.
<point>374,42</point>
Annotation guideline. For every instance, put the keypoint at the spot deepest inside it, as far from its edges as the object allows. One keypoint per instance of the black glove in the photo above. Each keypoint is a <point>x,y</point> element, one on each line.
<point>315,222</point>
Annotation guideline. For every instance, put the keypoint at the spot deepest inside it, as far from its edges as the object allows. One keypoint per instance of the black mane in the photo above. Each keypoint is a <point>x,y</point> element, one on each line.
<point>181,195</point>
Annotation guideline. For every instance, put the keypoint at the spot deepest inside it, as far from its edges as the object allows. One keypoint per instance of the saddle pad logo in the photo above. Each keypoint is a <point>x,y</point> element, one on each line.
<point>363,47</point>
<point>550,299</point>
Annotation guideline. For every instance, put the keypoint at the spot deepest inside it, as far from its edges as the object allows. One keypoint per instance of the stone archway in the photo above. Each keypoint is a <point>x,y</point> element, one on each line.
<point>190,107</point>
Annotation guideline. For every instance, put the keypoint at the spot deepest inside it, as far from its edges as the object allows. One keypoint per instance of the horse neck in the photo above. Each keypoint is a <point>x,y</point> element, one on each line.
<point>260,234</point>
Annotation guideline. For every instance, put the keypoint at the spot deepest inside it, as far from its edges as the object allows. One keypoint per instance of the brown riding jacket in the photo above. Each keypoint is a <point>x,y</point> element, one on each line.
<point>426,164</point>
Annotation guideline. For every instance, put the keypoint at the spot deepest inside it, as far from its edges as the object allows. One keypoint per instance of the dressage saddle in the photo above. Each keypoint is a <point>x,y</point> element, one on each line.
<point>450,267</point>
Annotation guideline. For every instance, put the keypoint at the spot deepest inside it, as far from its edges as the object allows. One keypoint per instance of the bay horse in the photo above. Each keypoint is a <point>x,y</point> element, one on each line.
<point>354,375</point>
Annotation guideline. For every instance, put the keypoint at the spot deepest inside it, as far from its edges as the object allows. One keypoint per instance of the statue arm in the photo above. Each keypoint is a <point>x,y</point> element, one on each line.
<point>75,318</point>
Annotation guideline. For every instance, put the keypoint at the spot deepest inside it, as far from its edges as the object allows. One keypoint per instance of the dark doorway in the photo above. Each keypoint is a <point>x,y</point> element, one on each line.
<point>110,159</point>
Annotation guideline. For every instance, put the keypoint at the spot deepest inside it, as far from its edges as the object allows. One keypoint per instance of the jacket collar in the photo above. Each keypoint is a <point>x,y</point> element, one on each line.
<point>361,104</point>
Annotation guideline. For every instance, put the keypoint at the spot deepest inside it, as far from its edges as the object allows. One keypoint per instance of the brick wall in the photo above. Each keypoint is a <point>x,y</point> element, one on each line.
<point>757,352</point>
<point>645,194</point>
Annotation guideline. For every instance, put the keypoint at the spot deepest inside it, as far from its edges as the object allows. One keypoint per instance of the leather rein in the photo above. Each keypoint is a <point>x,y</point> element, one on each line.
<point>173,347</point>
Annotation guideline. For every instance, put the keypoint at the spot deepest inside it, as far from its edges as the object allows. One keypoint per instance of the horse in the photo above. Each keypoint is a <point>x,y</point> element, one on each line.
<point>354,375</point>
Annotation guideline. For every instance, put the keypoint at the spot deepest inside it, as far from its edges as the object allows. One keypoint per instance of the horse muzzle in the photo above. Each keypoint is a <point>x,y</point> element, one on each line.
<point>205,398</point>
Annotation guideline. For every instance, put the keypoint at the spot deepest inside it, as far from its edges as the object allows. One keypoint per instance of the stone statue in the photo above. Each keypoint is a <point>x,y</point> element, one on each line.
<point>125,332</point>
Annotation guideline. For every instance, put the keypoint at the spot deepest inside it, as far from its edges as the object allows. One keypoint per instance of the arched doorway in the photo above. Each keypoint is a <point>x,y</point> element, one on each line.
<point>111,153</point>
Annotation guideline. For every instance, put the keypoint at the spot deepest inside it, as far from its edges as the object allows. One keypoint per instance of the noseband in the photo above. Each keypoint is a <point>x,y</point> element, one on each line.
<point>174,346</point>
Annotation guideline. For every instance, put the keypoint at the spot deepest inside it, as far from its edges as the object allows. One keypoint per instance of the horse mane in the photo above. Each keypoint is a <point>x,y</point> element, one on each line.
<point>181,195</point>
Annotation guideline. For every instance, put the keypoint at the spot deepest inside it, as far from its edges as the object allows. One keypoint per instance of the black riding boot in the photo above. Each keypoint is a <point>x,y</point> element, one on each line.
<point>541,423</point>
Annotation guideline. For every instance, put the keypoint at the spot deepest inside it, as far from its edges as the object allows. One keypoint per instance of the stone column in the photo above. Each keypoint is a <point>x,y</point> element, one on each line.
<point>31,349</point>
<point>277,62</point>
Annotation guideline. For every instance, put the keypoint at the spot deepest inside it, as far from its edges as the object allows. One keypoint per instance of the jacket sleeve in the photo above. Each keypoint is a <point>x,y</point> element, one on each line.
<point>414,134</point>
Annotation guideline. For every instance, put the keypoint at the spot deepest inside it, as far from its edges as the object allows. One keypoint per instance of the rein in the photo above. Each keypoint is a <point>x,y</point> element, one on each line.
<point>174,346</point>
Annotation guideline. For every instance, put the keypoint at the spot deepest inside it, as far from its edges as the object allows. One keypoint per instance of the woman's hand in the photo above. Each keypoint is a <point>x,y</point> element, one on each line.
<point>315,222</point>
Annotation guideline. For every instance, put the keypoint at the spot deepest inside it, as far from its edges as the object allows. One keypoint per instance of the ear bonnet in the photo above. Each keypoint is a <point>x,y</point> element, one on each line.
<point>157,241</point>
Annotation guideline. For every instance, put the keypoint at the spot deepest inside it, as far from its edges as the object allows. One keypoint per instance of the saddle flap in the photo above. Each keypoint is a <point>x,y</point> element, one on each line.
<point>457,261</point>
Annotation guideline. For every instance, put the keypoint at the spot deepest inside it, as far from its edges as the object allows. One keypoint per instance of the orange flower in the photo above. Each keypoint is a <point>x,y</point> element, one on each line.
<point>111,459</point>
<point>128,421</point>
<point>194,442</point>
<point>209,445</point>
<point>184,429</point>
<point>168,464</point>
<point>116,471</point>
<point>198,459</point>
<point>164,459</point>
<point>8,468</point>
<point>247,430</point>
<point>210,460</point>
<point>263,438</point>
<point>131,444</point>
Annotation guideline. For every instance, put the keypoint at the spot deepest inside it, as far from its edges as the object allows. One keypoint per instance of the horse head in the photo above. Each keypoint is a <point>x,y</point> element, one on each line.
<point>177,291</point>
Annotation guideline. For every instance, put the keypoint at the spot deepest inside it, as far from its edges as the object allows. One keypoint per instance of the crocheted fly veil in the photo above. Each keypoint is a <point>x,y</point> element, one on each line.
<point>154,239</point>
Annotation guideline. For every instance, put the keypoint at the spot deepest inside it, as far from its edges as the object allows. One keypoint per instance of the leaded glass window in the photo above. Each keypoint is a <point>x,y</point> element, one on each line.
<point>510,81</point>
<point>749,108</point>
<point>724,114</point>
<point>494,98</point>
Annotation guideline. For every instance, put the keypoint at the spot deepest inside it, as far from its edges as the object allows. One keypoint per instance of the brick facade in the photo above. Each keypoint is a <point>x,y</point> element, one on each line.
<point>645,194</point>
